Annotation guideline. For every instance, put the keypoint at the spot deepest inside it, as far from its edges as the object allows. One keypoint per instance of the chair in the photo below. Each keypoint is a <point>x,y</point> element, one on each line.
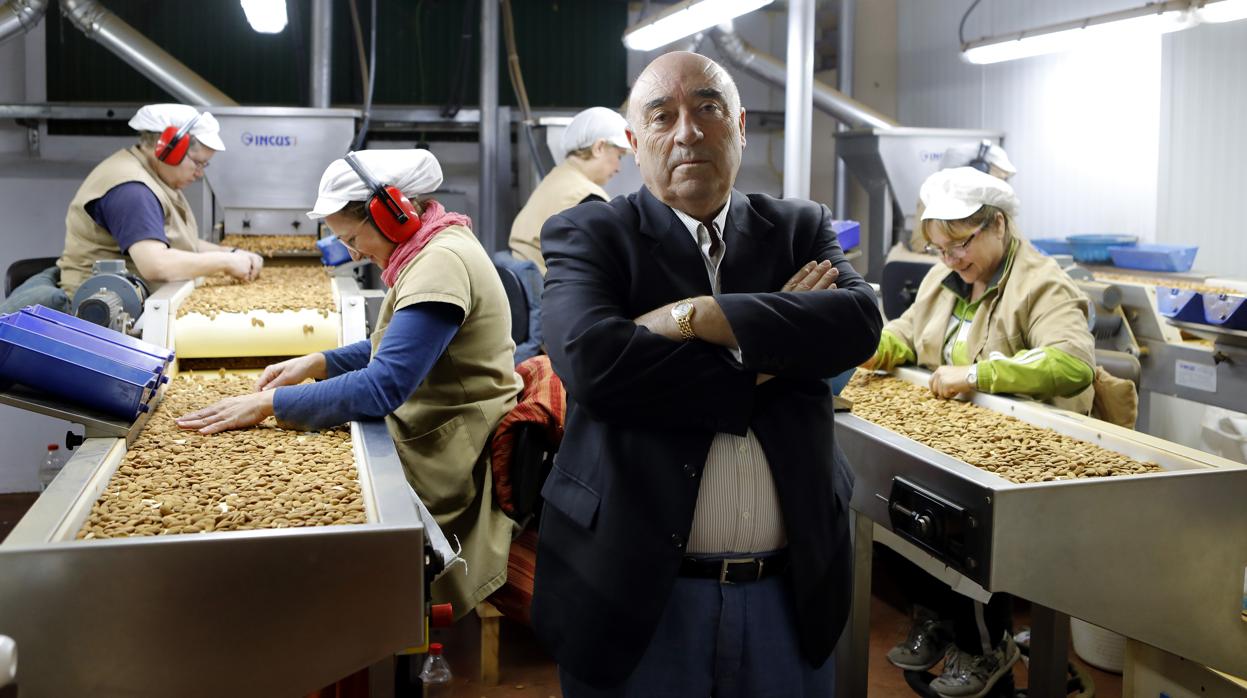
<point>522,281</point>
<point>21,270</point>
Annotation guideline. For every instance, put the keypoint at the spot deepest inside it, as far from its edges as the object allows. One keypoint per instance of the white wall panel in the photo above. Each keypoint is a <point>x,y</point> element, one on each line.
<point>1203,157</point>
<point>1082,127</point>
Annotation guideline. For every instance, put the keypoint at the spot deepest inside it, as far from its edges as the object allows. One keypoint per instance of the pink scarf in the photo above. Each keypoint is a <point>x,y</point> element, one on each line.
<point>435,219</point>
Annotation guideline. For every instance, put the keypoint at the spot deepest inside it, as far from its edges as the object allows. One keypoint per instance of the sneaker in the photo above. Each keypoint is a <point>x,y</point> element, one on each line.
<point>967,676</point>
<point>923,648</point>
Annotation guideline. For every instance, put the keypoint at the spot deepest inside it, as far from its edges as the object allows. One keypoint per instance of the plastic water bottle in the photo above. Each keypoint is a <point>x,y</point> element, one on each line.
<point>435,676</point>
<point>52,465</point>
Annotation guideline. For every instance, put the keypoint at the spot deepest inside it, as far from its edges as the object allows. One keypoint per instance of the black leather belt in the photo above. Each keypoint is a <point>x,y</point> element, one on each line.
<point>736,570</point>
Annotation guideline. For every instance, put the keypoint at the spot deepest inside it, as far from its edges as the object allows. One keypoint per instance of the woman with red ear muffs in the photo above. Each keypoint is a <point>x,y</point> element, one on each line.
<point>131,206</point>
<point>439,368</point>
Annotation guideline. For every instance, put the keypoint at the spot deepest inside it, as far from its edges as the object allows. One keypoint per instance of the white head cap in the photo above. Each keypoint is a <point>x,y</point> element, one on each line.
<point>964,154</point>
<point>158,117</point>
<point>413,171</point>
<point>593,124</point>
<point>951,195</point>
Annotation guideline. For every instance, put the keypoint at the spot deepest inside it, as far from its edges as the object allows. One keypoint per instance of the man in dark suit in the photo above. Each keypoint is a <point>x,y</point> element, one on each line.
<point>695,538</point>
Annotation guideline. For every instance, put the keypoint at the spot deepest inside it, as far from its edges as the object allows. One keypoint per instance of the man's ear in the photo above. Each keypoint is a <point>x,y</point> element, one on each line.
<point>631,139</point>
<point>742,127</point>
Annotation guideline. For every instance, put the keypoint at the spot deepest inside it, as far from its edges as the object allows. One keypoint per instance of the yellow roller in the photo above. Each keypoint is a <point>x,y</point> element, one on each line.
<point>256,333</point>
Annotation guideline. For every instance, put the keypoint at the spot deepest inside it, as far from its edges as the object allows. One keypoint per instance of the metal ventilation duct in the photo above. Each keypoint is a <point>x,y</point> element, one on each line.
<point>20,16</point>
<point>101,25</point>
<point>768,69</point>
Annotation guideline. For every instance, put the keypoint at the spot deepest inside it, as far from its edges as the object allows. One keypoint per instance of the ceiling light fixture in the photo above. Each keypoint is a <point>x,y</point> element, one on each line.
<point>685,19</point>
<point>265,16</point>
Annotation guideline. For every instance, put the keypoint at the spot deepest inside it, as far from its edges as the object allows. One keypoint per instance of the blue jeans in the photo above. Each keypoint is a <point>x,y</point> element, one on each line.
<point>721,640</point>
<point>40,289</point>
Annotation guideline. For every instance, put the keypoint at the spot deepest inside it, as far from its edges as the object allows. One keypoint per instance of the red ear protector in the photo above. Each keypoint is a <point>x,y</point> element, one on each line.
<point>388,209</point>
<point>980,162</point>
<point>174,142</point>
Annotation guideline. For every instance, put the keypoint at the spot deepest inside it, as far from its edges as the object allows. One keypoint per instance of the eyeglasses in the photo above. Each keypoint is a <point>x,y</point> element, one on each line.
<point>200,165</point>
<point>958,250</point>
<point>350,245</point>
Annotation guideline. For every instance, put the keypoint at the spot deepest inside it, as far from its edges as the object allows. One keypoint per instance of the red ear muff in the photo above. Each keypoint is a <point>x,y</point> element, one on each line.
<point>171,147</point>
<point>387,209</point>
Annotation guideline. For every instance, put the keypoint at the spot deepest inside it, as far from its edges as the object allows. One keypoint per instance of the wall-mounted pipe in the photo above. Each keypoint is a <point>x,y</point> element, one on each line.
<point>20,16</point>
<point>768,69</point>
<point>114,34</point>
<point>322,52</point>
<point>798,121</point>
<point>844,83</point>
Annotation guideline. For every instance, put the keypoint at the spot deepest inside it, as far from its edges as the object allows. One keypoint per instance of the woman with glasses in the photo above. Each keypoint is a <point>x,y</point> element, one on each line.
<point>994,315</point>
<point>439,367</point>
<point>132,207</point>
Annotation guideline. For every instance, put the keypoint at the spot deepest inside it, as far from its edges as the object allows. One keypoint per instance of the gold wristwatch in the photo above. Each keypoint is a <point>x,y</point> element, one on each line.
<point>682,313</point>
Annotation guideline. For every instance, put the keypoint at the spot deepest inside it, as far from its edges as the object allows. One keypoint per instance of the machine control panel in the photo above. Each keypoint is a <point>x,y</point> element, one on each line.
<point>936,524</point>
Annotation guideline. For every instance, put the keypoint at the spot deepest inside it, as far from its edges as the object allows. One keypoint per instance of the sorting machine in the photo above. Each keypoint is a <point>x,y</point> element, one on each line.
<point>259,612</point>
<point>1158,557</point>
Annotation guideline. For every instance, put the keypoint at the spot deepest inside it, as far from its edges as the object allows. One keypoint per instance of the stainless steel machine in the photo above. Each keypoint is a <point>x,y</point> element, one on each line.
<point>891,165</point>
<point>1158,557</point>
<point>254,613</point>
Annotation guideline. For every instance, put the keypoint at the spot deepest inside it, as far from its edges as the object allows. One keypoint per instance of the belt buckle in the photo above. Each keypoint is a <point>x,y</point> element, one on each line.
<point>723,566</point>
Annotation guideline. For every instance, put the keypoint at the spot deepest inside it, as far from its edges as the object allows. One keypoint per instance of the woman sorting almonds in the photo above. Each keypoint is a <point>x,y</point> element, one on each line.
<point>439,367</point>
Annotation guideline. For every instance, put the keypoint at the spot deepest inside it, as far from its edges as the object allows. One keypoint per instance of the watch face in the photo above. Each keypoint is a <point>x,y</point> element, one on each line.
<point>682,309</point>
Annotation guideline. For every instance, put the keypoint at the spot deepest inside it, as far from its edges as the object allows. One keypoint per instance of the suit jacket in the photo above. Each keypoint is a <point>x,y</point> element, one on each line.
<point>620,498</point>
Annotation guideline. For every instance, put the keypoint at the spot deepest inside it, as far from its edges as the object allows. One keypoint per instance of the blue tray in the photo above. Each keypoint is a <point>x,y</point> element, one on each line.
<point>848,232</point>
<point>333,251</point>
<point>73,374</point>
<point>1180,304</point>
<point>1093,249</point>
<point>76,323</point>
<point>1051,246</point>
<point>95,345</point>
<point>1155,257</point>
<point>1226,311</point>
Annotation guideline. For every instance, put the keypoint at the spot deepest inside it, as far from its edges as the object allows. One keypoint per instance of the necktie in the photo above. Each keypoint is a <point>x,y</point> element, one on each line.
<point>716,243</point>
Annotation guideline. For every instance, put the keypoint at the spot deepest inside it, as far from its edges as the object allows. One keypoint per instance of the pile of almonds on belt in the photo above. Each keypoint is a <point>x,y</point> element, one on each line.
<point>1168,283</point>
<point>281,286</point>
<point>998,443</point>
<point>174,481</point>
<point>269,245</point>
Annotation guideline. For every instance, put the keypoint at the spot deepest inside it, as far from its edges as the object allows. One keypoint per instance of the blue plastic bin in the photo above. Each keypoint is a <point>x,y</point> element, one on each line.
<point>91,343</point>
<point>73,373</point>
<point>1180,304</point>
<point>1154,257</point>
<point>848,232</point>
<point>1224,310</point>
<point>1051,246</point>
<point>125,340</point>
<point>1093,249</point>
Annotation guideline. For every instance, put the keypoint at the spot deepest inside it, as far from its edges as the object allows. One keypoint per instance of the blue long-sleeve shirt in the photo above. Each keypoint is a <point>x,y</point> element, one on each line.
<point>359,388</point>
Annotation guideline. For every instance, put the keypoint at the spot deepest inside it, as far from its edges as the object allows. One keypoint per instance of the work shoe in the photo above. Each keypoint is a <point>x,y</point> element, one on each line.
<point>923,648</point>
<point>968,676</point>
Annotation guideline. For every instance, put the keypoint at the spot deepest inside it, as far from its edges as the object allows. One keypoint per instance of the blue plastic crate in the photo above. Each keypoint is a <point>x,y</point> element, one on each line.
<point>848,232</point>
<point>60,333</point>
<point>77,323</point>
<point>73,374</point>
<point>1093,249</point>
<point>1154,257</point>
<point>333,251</point>
<point>1180,304</point>
<point>1225,310</point>
<point>1051,246</point>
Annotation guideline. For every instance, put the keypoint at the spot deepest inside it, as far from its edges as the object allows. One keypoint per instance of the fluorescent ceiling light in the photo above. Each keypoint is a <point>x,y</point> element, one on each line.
<point>1103,31</point>
<point>265,16</point>
<point>1223,11</point>
<point>685,19</point>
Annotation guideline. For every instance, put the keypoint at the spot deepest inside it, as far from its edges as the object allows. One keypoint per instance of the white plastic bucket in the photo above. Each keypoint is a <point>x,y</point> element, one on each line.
<point>1102,649</point>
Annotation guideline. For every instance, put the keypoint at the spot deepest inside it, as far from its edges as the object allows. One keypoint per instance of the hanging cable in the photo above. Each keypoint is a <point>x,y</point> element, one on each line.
<point>528,124</point>
<point>460,80</point>
<point>372,77</point>
<point>961,28</point>
<point>359,44</point>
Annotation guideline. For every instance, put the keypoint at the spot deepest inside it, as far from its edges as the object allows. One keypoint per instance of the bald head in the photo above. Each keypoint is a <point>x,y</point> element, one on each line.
<point>687,129</point>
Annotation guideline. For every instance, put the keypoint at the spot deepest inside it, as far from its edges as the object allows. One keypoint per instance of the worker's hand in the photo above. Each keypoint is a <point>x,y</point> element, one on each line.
<point>292,371</point>
<point>814,276</point>
<point>949,381</point>
<point>240,265</point>
<point>231,413</point>
<point>257,264</point>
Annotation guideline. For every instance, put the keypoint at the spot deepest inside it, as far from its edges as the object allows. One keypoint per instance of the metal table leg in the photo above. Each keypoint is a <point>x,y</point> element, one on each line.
<point>853,650</point>
<point>1049,657</point>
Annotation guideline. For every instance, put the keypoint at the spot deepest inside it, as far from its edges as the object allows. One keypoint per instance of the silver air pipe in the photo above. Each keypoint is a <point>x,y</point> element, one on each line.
<point>20,16</point>
<point>322,52</point>
<point>766,68</point>
<point>101,25</point>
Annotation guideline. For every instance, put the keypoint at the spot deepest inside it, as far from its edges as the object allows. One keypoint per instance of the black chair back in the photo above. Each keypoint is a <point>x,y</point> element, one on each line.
<point>21,270</point>
<point>517,300</point>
